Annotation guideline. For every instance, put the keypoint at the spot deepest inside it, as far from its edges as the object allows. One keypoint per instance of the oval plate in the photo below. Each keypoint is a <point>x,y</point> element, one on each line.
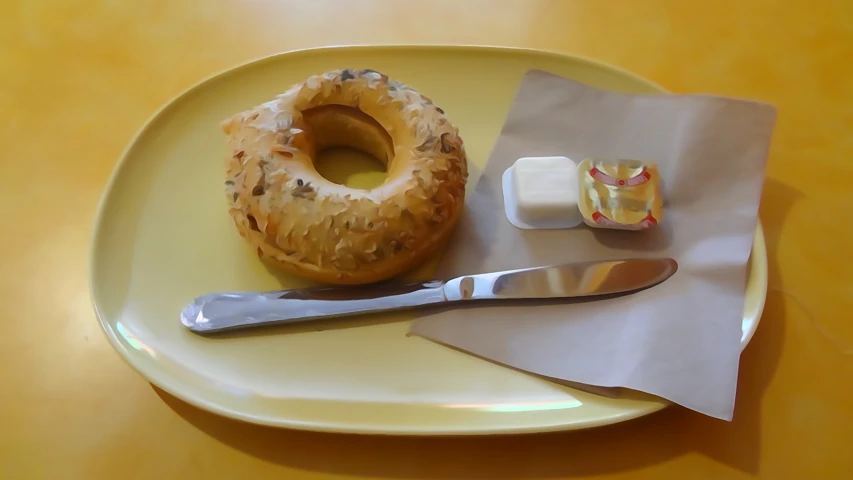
<point>163,236</point>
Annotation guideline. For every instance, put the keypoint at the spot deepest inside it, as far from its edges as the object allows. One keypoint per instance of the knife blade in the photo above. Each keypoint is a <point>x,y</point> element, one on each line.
<point>226,311</point>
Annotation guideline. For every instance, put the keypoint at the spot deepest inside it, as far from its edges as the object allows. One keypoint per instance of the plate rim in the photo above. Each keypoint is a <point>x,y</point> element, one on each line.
<point>757,258</point>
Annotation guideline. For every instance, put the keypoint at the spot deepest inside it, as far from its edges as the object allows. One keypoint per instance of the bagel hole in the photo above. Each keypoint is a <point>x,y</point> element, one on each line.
<point>350,167</point>
<point>352,148</point>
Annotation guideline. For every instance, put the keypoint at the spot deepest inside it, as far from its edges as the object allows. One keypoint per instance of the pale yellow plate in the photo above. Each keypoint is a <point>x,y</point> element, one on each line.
<point>163,236</point>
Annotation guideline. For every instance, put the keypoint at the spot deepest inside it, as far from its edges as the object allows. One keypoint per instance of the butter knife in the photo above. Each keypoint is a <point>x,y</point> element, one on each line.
<point>225,311</point>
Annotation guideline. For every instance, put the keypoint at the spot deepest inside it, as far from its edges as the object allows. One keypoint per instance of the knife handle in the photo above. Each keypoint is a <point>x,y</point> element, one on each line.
<point>225,311</point>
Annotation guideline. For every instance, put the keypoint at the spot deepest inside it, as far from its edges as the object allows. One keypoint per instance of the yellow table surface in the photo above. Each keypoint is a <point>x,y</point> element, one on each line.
<point>80,77</point>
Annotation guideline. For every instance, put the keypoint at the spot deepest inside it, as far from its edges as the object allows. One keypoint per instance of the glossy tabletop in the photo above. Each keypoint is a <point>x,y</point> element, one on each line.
<point>80,77</point>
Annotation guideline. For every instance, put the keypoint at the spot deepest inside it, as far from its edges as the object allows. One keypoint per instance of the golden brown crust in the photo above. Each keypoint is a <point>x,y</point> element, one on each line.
<point>316,229</point>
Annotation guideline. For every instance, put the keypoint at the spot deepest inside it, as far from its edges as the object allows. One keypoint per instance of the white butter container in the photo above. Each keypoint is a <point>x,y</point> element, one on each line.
<point>542,193</point>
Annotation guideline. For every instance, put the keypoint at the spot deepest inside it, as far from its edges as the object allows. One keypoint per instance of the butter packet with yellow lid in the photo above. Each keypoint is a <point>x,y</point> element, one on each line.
<point>621,194</point>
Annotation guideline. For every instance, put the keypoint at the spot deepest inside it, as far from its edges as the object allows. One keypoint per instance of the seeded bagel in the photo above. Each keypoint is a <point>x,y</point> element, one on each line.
<point>323,231</point>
